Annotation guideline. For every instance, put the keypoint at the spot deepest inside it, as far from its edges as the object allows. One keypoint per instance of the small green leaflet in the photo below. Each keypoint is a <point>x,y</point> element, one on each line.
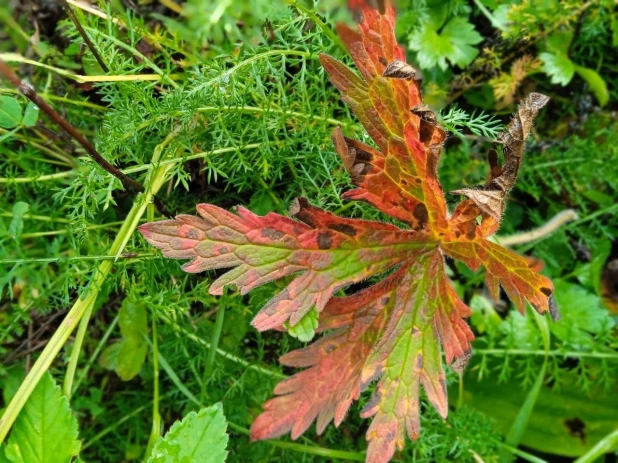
<point>10,112</point>
<point>304,330</point>
<point>453,43</point>
<point>31,115</point>
<point>45,431</point>
<point>584,319</point>
<point>199,438</point>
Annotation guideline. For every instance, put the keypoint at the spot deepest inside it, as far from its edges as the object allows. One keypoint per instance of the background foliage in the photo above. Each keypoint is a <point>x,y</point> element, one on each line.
<point>235,93</point>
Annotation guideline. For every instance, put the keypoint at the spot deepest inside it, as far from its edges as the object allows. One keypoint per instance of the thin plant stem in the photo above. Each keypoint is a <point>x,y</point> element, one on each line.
<point>310,449</point>
<point>40,178</point>
<point>85,36</point>
<point>156,416</point>
<point>551,226</point>
<point>95,354</point>
<point>135,52</point>
<point>521,454</point>
<point>64,231</point>
<point>180,331</point>
<point>67,385</point>
<point>246,62</point>
<point>46,260</point>
<point>551,353</point>
<point>605,445</point>
<point>214,344</point>
<point>113,426</point>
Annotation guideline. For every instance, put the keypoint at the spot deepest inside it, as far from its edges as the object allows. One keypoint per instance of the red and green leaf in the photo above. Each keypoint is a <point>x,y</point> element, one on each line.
<point>395,331</point>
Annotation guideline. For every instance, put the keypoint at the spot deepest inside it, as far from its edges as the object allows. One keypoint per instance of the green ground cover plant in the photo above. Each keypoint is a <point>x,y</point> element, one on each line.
<point>112,353</point>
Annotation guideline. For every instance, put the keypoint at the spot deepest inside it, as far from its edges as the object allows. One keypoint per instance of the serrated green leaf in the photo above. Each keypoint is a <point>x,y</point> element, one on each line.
<point>583,315</point>
<point>45,430</point>
<point>17,222</point>
<point>10,112</point>
<point>453,43</point>
<point>198,438</point>
<point>304,330</point>
<point>596,83</point>
<point>31,115</point>
<point>559,67</point>
<point>555,412</point>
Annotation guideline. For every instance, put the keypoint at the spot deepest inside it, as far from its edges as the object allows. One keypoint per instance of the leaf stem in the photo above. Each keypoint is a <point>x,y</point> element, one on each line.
<point>113,426</point>
<point>95,354</point>
<point>551,353</point>
<point>67,385</point>
<point>82,32</point>
<point>226,355</point>
<point>214,345</point>
<point>259,56</point>
<point>552,225</point>
<point>310,449</point>
<point>40,178</point>
<point>156,416</point>
<point>605,445</point>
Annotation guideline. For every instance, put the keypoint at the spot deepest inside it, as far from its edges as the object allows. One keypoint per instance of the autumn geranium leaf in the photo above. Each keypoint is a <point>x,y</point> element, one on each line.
<point>395,331</point>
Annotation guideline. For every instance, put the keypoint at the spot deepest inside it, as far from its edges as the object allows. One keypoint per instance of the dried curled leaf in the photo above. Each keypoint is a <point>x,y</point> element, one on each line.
<point>395,331</point>
<point>491,198</point>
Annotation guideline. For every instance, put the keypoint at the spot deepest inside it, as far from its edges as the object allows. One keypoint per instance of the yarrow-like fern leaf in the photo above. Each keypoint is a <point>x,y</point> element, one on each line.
<point>395,331</point>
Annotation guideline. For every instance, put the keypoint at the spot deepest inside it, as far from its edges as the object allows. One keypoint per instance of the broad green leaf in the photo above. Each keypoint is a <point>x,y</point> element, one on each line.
<point>199,438</point>
<point>453,43</point>
<point>559,67</point>
<point>10,112</point>
<point>596,83</point>
<point>31,115</point>
<point>132,319</point>
<point>583,316</point>
<point>17,222</point>
<point>565,421</point>
<point>45,430</point>
<point>126,356</point>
